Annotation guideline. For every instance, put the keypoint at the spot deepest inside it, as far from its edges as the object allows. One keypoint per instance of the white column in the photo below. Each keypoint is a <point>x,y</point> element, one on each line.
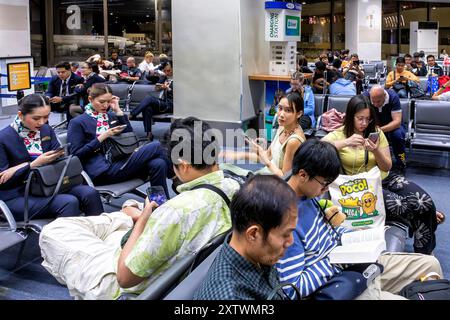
<point>216,45</point>
<point>363,28</point>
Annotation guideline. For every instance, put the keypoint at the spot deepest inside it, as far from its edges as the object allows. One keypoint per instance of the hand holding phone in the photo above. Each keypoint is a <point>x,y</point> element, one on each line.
<point>157,194</point>
<point>63,147</point>
<point>121,127</point>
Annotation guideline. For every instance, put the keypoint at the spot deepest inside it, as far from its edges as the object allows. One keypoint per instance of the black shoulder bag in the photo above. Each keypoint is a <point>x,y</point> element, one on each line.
<point>120,146</point>
<point>346,285</point>
<point>51,179</point>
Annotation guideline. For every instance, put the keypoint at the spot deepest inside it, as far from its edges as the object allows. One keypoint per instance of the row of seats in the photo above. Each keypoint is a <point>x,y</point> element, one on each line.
<point>428,121</point>
<point>131,95</point>
<point>13,232</point>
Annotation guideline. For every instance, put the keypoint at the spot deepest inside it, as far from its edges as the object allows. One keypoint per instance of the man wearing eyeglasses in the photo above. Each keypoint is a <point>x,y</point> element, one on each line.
<point>306,263</point>
<point>389,112</point>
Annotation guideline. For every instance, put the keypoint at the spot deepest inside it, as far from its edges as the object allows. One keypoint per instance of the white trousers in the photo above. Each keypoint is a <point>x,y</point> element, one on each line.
<point>400,269</point>
<point>82,253</point>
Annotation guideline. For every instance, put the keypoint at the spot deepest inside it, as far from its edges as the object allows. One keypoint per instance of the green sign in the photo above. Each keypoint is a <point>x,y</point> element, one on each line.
<point>292,26</point>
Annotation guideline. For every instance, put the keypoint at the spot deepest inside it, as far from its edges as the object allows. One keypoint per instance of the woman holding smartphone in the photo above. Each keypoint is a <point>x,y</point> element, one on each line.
<point>102,119</point>
<point>278,157</point>
<point>29,142</point>
<point>405,202</point>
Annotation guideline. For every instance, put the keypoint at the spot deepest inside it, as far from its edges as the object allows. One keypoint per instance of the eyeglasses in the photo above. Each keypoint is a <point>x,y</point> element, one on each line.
<point>324,184</point>
<point>362,120</point>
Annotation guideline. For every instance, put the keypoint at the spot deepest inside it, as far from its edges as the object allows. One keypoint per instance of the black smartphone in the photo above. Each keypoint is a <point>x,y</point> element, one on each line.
<point>62,147</point>
<point>373,136</point>
<point>122,126</point>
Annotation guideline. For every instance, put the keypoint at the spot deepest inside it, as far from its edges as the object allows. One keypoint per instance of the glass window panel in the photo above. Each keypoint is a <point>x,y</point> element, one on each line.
<point>315,29</point>
<point>78,29</point>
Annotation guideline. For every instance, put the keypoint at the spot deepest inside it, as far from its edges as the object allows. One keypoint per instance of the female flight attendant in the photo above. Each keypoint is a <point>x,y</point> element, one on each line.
<point>95,125</point>
<point>29,142</point>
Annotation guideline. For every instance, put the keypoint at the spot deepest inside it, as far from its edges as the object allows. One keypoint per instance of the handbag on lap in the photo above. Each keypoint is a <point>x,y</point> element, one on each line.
<point>120,146</point>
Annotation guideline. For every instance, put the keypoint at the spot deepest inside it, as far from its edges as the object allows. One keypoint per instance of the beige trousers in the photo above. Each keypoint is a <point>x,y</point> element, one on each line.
<point>400,269</point>
<point>82,253</point>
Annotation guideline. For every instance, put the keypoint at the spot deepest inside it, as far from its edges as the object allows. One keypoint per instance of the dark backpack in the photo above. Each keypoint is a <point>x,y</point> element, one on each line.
<point>427,290</point>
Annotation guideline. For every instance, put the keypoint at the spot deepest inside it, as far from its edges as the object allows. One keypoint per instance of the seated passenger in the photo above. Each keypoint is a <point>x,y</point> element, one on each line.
<point>342,87</point>
<point>278,157</point>
<point>150,106</point>
<point>130,73</point>
<point>263,215</point>
<point>354,71</point>
<point>432,67</point>
<point>75,68</point>
<point>389,115</point>
<point>29,142</point>
<point>440,95</point>
<point>320,81</point>
<point>160,236</point>
<point>147,64</point>
<point>302,65</point>
<point>418,65</point>
<point>87,132</point>
<point>90,74</point>
<point>61,89</point>
<point>116,61</point>
<point>405,202</point>
<point>307,120</point>
<point>398,78</point>
<point>306,263</point>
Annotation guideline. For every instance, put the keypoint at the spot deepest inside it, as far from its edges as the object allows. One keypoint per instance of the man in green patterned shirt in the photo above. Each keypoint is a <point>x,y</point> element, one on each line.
<point>84,253</point>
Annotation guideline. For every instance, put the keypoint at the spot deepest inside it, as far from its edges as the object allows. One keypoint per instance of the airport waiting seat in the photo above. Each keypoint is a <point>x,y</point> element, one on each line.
<point>431,125</point>
<point>121,90</point>
<point>10,235</point>
<point>178,271</point>
<point>140,91</point>
<point>371,73</point>
<point>424,83</point>
<point>337,102</point>
<point>320,102</point>
<point>186,289</point>
<point>319,107</point>
<point>406,111</point>
<point>114,190</point>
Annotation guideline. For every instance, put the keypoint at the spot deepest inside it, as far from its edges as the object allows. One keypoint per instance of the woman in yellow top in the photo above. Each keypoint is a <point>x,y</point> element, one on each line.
<point>405,202</point>
<point>398,78</point>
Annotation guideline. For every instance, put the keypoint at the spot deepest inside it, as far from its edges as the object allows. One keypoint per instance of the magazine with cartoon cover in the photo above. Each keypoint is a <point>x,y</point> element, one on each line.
<point>360,198</point>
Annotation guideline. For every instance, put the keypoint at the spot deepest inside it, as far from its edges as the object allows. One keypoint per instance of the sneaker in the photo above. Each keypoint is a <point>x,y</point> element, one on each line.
<point>133,203</point>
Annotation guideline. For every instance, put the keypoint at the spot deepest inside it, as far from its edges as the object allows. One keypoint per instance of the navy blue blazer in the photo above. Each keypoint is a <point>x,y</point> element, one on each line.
<point>84,144</point>
<point>54,87</point>
<point>83,92</point>
<point>13,152</point>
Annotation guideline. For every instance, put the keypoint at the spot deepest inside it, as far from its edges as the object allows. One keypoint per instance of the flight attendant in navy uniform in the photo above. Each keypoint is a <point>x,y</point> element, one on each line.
<point>102,119</point>
<point>30,142</point>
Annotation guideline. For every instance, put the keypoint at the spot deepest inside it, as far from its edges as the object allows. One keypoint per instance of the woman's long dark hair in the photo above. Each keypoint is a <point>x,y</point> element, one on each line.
<point>355,105</point>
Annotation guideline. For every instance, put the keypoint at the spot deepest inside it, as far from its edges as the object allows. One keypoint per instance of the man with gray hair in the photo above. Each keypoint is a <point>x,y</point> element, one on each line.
<point>389,111</point>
